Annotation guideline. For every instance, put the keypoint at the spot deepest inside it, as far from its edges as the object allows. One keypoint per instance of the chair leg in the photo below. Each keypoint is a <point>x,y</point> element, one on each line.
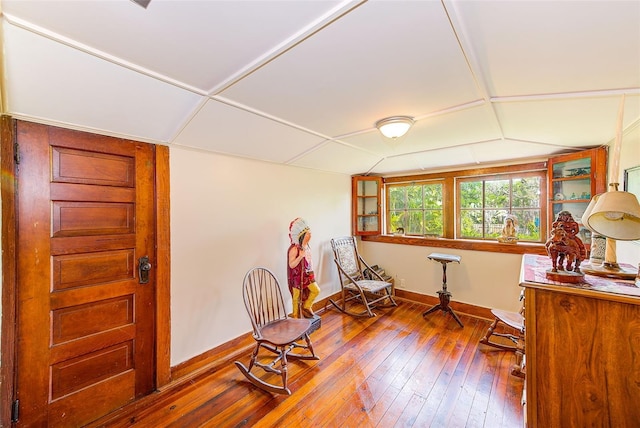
<point>284,372</point>
<point>282,354</point>
<point>366,304</point>
<point>246,371</point>
<point>310,347</point>
<point>254,356</point>
<point>343,307</point>
<point>486,340</point>
<point>260,383</point>
<point>489,332</point>
<point>309,355</point>
<point>517,369</point>
<point>377,301</point>
<point>392,301</point>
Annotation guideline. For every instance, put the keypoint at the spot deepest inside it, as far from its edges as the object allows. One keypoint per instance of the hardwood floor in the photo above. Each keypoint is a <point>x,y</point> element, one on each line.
<point>397,369</point>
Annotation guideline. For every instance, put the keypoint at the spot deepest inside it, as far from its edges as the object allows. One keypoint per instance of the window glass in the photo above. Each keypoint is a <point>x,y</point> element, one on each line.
<point>467,205</point>
<point>396,201</point>
<point>471,223</point>
<point>485,203</point>
<point>497,194</point>
<point>416,208</point>
<point>471,194</point>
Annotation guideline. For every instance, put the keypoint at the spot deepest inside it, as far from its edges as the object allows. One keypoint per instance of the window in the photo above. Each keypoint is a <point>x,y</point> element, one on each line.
<point>416,208</point>
<point>470,204</point>
<point>484,203</point>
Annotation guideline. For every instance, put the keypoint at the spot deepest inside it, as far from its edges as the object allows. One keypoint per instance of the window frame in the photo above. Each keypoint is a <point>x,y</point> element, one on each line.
<point>449,241</point>
<point>504,176</point>
<point>387,210</point>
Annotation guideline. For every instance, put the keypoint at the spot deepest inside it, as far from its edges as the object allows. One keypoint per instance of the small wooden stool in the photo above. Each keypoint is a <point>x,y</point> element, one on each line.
<point>444,295</point>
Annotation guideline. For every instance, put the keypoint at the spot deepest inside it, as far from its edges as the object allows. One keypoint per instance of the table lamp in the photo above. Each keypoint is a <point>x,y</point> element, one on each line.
<point>614,215</point>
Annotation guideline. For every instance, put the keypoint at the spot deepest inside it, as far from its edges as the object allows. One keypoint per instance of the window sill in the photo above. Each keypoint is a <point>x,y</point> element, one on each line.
<point>461,244</point>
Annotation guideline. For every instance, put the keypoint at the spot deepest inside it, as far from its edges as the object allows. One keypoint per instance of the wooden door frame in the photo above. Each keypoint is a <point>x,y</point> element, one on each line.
<point>9,270</point>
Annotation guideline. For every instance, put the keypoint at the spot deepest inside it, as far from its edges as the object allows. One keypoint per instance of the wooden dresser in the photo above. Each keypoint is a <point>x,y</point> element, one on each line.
<point>582,359</point>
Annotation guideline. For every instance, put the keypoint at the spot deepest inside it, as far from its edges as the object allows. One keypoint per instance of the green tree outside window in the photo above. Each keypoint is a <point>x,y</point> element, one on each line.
<point>416,208</point>
<point>484,205</point>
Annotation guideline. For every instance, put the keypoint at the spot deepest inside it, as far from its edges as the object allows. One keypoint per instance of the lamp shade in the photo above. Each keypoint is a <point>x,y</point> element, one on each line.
<point>615,215</point>
<point>395,127</point>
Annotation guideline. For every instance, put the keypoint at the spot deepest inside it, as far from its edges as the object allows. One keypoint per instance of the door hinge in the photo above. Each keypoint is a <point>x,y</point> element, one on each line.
<point>16,153</point>
<point>15,411</point>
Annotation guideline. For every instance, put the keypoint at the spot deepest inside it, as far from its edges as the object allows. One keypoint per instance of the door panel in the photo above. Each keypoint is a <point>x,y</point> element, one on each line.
<point>100,398</point>
<point>76,373</point>
<point>78,166</point>
<point>86,325</point>
<point>91,218</point>
<point>92,268</point>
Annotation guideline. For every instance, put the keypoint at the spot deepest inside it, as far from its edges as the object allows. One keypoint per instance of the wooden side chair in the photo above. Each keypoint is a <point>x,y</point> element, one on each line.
<point>499,336</point>
<point>273,331</point>
<point>356,288</point>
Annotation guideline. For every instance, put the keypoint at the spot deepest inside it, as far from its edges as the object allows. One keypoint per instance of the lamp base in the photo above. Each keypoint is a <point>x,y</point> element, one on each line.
<point>609,270</point>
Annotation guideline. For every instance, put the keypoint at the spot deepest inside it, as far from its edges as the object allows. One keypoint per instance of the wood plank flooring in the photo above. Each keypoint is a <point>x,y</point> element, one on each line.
<point>394,370</point>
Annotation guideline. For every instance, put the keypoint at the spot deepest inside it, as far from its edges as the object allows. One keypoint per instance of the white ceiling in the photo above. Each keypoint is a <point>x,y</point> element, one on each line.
<point>302,82</point>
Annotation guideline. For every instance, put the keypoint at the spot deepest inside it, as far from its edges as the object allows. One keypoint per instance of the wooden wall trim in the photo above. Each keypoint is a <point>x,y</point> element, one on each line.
<point>228,351</point>
<point>163,270</point>
<point>458,307</point>
<point>213,358</point>
<point>461,244</point>
<point>241,346</point>
<point>485,171</point>
<point>9,239</point>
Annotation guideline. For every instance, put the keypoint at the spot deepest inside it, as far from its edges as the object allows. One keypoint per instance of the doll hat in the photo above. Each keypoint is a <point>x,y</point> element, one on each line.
<point>296,229</point>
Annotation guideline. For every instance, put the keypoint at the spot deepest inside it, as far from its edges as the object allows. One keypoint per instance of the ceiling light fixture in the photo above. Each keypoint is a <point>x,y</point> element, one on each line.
<point>395,126</point>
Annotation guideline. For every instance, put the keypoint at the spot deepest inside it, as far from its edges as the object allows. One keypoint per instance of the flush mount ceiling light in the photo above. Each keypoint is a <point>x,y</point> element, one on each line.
<point>143,3</point>
<point>394,127</point>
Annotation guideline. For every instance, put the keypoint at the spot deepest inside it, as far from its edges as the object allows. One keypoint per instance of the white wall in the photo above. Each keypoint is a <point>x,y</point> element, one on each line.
<point>629,251</point>
<point>229,215</point>
<point>482,278</point>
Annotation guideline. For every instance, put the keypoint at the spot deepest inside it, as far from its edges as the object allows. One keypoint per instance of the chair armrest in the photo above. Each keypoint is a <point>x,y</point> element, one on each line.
<point>373,271</point>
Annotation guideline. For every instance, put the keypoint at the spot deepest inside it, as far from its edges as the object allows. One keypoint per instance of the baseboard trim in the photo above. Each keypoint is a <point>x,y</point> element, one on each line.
<point>459,307</point>
<point>223,354</point>
<point>242,345</point>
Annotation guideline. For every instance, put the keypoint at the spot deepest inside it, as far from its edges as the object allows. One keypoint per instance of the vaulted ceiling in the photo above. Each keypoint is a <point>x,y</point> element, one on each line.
<point>303,82</point>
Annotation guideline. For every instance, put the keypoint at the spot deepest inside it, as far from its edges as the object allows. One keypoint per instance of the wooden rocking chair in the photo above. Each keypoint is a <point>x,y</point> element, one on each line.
<point>510,319</point>
<point>501,340</point>
<point>273,330</point>
<point>356,287</point>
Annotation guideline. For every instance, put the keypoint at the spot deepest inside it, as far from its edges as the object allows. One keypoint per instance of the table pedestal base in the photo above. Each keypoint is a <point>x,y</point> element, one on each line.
<point>444,295</point>
<point>445,298</point>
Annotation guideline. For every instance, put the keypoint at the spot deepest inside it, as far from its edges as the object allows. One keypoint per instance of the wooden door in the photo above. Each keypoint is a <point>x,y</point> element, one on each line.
<point>85,324</point>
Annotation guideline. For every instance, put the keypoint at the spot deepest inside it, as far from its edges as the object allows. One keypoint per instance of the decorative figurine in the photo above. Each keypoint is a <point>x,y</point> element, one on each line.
<point>509,230</point>
<point>300,276</point>
<point>564,246</point>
